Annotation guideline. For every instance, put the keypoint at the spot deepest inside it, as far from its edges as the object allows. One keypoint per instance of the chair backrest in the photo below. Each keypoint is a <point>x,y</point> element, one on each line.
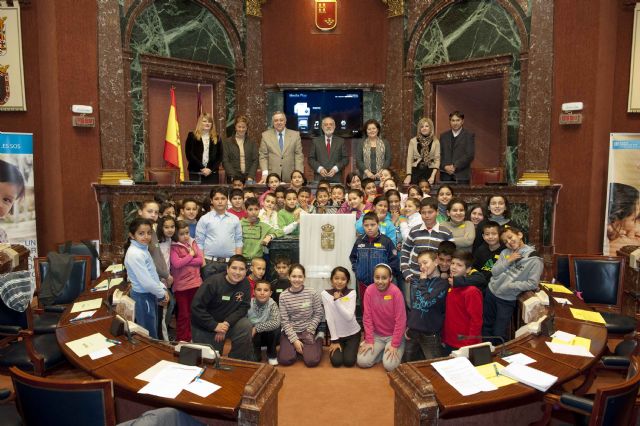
<point>163,175</point>
<point>78,281</point>
<point>599,278</point>
<point>561,269</point>
<point>482,175</point>
<point>11,322</point>
<point>615,405</point>
<point>44,401</point>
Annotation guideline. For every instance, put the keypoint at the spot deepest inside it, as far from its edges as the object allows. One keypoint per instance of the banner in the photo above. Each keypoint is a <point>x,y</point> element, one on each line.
<point>622,217</point>
<point>12,96</point>
<point>17,197</point>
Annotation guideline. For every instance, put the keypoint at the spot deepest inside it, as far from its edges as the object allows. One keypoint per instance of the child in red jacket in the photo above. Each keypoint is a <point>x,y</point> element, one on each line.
<point>186,261</point>
<point>463,314</point>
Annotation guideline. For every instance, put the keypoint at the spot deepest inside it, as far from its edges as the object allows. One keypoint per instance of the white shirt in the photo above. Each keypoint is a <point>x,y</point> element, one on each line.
<point>340,314</point>
<point>205,152</point>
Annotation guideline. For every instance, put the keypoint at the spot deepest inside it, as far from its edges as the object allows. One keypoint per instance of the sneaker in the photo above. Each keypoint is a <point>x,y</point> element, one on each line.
<point>273,361</point>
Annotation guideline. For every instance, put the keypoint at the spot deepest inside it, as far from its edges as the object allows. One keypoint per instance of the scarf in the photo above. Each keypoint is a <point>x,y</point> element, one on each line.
<point>424,146</point>
<point>259,312</point>
<point>366,155</point>
<point>500,220</point>
<point>16,290</point>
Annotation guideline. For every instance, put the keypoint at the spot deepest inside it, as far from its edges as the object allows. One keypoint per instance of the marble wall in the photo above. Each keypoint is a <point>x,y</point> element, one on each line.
<point>174,29</point>
<point>469,30</point>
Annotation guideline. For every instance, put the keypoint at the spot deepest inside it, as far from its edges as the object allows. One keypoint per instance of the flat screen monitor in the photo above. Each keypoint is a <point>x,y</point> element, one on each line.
<point>306,108</point>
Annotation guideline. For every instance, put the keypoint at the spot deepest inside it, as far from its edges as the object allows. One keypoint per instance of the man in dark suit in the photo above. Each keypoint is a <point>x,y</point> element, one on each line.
<point>457,149</point>
<point>328,155</point>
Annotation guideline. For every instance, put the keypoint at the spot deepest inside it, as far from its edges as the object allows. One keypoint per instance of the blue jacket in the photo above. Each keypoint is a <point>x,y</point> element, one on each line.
<point>367,253</point>
<point>385,226</point>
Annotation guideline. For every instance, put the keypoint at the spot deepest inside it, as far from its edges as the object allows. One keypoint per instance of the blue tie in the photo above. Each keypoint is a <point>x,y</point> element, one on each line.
<point>280,142</point>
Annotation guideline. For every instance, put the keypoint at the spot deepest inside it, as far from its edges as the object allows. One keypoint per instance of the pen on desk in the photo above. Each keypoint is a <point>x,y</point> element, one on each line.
<point>115,342</point>
<point>201,372</point>
<point>496,369</point>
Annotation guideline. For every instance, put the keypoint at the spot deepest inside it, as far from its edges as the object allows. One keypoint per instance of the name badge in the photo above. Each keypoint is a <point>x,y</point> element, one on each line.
<point>226,298</point>
<point>377,244</point>
<point>305,304</point>
<point>279,290</point>
<point>388,297</point>
<point>345,299</point>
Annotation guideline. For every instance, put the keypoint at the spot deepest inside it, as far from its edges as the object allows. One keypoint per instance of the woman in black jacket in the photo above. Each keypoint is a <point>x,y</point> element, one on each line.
<point>204,151</point>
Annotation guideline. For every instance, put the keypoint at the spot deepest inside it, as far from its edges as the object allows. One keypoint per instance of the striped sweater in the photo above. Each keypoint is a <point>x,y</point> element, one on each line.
<point>421,239</point>
<point>257,312</point>
<point>300,311</point>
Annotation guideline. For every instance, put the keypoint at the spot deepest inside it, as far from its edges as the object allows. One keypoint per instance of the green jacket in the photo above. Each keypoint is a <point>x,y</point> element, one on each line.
<point>252,236</point>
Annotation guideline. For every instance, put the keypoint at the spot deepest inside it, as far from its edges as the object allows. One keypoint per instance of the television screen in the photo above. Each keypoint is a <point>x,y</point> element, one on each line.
<point>306,108</point>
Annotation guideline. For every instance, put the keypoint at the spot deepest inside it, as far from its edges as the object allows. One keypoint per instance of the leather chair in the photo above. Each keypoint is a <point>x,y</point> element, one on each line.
<point>482,175</point>
<point>54,402</point>
<point>612,405</point>
<point>8,412</point>
<point>21,347</point>
<point>163,175</point>
<point>46,318</point>
<point>599,280</point>
<point>561,269</point>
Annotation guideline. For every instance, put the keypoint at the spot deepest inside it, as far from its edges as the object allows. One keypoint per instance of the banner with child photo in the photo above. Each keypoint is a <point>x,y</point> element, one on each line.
<point>622,217</point>
<point>17,197</point>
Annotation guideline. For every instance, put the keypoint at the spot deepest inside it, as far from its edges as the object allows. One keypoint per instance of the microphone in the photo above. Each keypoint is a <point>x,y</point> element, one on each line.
<point>503,351</point>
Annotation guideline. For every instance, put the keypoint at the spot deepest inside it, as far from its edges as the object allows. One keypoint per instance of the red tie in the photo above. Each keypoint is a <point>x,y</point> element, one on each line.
<point>328,147</point>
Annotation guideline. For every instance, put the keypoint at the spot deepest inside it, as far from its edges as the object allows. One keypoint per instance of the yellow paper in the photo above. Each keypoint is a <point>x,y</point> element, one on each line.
<point>118,267</point>
<point>89,344</point>
<point>102,285</point>
<point>584,315</point>
<point>582,341</point>
<point>488,371</point>
<point>87,305</point>
<point>556,288</point>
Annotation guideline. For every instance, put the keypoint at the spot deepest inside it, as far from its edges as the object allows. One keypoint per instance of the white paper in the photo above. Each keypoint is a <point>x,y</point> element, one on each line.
<point>202,387</point>
<point>529,376</point>
<point>564,336</point>
<point>563,301</point>
<point>169,382</point>
<point>463,376</point>
<point>107,284</point>
<point>559,348</point>
<point>101,353</point>
<point>151,372</point>
<point>83,315</point>
<point>86,305</point>
<point>521,359</point>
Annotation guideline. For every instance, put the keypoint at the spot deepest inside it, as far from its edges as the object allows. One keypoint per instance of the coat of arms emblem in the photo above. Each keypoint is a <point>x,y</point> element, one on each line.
<point>4,84</point>
<point>326,14</point>
<point>327,237</point>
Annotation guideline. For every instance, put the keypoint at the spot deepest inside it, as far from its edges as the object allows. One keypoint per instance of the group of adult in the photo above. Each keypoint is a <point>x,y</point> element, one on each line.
<point>280,151</point>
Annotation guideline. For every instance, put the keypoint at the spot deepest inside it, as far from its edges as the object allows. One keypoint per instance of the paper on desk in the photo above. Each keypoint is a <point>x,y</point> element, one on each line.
<point>86,305</point>
<point>460,373</point>
<point>556,288</point>
<point>108,283</point>
<point>169,382</point>
<point>202,388</point>
<point>529,376</point>
<point>585,315</point>
<point>521,359</point>
<point>563,335</point>
<point>491,372</point>
<point>151,372</point>
<point>563,301</point>
<point>89,344</point>
<point>563,348</point>
<point>117,267</point>
<point>100,353</point>
<point>83,315</point>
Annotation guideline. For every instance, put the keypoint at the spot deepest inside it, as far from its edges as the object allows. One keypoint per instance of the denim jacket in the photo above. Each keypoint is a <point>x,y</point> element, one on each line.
<point>368,252</point>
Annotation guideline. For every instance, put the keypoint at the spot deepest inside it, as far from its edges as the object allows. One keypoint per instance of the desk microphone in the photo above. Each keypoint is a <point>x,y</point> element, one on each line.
<point>503,351</point>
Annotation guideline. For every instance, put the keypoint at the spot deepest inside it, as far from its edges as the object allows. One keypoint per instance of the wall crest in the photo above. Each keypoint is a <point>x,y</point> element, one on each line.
<point>396,7</point>
<point>253,7</point>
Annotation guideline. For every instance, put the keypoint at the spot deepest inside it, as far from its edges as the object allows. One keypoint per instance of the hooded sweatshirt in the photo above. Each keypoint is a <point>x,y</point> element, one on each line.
<point>509,279</point>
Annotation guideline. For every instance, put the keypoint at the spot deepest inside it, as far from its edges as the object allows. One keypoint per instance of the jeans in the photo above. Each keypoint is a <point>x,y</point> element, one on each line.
<point>421,346</point>
<point>380,346</point>
<point>268,339</point>
<point>239,333</point>
<point>348,352</point>
<point>146,311</point>
<point>496,316</point>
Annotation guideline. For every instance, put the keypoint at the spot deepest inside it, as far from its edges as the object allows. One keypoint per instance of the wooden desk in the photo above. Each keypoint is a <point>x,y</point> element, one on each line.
<point>422,395</point>
<point>248,394</point>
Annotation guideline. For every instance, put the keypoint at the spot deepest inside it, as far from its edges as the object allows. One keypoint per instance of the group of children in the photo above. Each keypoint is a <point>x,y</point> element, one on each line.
<point>432,274</point>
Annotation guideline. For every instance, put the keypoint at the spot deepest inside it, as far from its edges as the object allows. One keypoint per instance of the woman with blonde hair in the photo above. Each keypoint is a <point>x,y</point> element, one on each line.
<point>204,151</point>
<point>423,154</point>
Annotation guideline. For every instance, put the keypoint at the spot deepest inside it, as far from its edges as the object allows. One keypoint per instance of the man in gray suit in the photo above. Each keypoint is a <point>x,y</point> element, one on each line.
<point>328,156</point>
<point>280,150</point>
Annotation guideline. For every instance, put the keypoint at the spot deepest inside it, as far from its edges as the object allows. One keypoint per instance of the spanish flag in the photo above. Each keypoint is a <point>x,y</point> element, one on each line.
<point>172,146</point>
